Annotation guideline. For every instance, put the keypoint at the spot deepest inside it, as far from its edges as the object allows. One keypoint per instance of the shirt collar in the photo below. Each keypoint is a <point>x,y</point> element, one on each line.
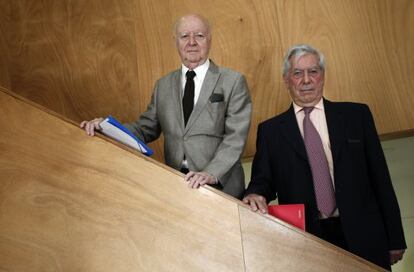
<point>199,70</point>
<point>318,106</point>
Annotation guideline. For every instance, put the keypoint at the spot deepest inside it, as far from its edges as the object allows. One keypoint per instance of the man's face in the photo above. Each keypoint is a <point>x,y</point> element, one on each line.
<point>305,80</point>
<point>193,41</point>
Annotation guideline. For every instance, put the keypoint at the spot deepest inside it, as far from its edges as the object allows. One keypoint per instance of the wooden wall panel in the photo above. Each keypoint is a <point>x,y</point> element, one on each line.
<point>5,14</point>
<point>70,202</point>
<point>367,46</point>
<point>92,58</point>
<point>76,57</point>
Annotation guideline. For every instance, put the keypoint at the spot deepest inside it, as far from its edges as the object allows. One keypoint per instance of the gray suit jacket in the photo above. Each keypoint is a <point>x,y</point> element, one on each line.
<point>217,129</point>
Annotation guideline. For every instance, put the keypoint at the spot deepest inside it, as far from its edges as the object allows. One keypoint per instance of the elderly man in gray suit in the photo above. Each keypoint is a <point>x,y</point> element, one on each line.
<point>203,110</point>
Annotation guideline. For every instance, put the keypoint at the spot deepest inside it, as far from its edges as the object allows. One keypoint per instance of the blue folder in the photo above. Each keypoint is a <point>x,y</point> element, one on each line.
<point>141,145</point>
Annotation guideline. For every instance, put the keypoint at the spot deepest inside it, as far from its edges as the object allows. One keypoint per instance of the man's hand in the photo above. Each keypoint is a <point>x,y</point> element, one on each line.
<point>91,126</point>
<point>256,202</point>
<point>396,255</point>
<point>197,179</point>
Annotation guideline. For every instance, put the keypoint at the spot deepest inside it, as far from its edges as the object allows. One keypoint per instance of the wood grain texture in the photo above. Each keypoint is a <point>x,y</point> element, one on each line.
<point>5,16</point>
<point>366,44</point>
<point>281,247</point>
<point>75,203</point>
<point>91,58</point>
<point>76,57</point>
<point>70,202</point>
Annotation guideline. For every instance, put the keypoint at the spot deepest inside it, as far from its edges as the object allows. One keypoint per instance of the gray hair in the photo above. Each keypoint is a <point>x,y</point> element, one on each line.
<point>298,51</point>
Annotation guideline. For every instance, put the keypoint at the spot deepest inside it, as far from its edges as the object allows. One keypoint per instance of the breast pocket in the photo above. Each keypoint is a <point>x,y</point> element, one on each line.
<point>214,117</point>
<point>216,107</point>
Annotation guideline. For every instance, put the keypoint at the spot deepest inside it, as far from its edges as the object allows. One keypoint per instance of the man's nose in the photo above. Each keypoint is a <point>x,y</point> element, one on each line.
<point>306,78</point>
<point>192,40</point>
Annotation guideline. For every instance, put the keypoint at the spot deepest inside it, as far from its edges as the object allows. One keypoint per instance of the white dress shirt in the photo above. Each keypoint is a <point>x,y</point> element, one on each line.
<point>201,72</point>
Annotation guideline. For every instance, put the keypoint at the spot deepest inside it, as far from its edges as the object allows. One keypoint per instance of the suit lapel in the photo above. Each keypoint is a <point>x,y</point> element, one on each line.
<point>336,128</point>
<point>292,133</point>
<point>177,95</point>
<point>207,88</point>
<point>335,122</point>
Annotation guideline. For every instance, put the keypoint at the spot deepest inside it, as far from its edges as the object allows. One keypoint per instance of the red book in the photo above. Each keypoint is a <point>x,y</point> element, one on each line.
<point>293,214</point>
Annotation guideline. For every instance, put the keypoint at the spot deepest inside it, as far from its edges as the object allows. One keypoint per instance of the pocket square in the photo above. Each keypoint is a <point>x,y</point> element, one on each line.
<point>215,97</point>
<point>354,141</point>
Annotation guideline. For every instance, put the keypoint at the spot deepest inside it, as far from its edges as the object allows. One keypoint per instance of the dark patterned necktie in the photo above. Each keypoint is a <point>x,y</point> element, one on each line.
<point>322,182</point>
<point>188,98</point>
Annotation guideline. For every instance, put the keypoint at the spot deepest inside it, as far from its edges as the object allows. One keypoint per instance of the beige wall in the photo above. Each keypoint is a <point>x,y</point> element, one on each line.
<point>92,58</point>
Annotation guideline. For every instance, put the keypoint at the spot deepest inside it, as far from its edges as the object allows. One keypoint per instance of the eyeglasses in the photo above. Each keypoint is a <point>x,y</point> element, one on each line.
<point>312,72</point>
<point>199,36</point>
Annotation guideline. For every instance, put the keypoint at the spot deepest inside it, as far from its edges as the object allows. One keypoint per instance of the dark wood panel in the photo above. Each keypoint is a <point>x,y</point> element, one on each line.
<point>76,57</point>
<point>5,14</point>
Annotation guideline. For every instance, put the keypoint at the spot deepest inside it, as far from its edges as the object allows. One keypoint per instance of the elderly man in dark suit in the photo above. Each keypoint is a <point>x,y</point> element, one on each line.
<point>203,110</point>
<point>327,155</point>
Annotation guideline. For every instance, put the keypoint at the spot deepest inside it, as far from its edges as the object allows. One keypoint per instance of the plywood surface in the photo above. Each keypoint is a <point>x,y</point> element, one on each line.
<point>70,202</point>
<point>366,45</point>
<point>274,247</point>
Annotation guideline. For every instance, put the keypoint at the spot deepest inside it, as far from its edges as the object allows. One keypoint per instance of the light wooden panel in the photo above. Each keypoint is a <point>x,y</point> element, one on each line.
<point>91,58</point>
<point>70,202</point>
<point>286,248</point>
<point>368,49</point>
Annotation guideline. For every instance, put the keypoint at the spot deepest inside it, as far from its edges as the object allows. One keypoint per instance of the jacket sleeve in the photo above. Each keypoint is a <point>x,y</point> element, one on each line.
<point>261,169</point>
<point>381,184</point>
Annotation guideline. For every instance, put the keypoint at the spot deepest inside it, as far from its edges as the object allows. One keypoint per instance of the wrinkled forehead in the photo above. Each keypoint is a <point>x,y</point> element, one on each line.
<point>192,24</point>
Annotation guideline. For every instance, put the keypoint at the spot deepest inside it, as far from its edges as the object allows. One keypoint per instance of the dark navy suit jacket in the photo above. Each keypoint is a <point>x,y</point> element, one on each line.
<point>365,197</point>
